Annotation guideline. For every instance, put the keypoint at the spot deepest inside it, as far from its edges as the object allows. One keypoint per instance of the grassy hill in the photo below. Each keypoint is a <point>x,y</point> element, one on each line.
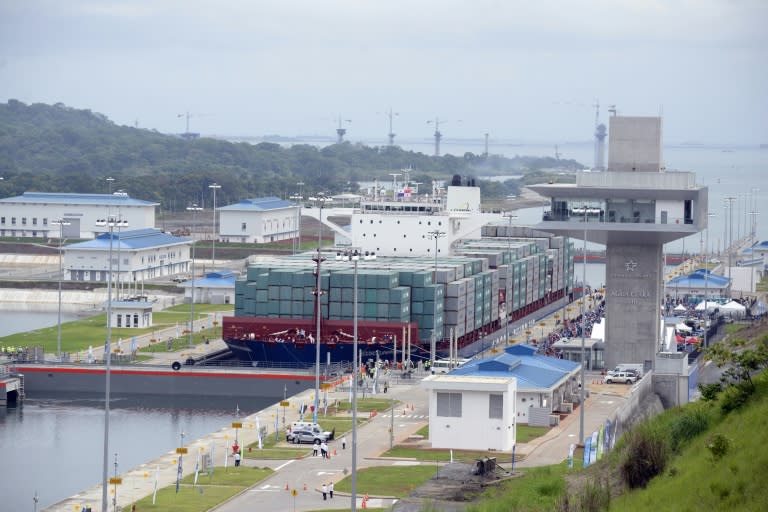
<point>709,455</point>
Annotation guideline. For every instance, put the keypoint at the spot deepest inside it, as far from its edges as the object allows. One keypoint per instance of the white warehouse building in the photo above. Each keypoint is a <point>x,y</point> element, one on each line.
<point>137,255</point>
<point>260,220</point>
<point>33,214</point>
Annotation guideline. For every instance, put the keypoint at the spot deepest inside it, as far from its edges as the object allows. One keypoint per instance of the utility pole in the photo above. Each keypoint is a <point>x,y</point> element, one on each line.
<point>214,186</point>
<point>436,235</point>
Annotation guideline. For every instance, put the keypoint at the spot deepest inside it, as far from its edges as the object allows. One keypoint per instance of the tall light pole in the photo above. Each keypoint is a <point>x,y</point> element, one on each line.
<point>353,254</point>
<point>706,278</point>
<point>583,330</point>
<point>319,312</point>
<point>510,217</point>
<point>194,209</point>
<point>109,222</point>
<point>109,181</point>
<point>214,234</point>
<point>297,239</point>
<point>754,215</point>
<point>730,200</point>
<point>437,235</point>
<point>61,223</point>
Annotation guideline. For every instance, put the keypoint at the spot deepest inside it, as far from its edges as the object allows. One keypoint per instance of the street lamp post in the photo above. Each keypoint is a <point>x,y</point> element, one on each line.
<point>706,280</point>
<point>214,234</point>
<point>729,224</point>
<point>583,330</point>
<point>353,254</point>
<point>436,235</point>
<point>109,222</point>
<point>194,208</point>
<point>297,240</point>
<point>61,223</point>
<point>507,302</point>
<point>319,311</point>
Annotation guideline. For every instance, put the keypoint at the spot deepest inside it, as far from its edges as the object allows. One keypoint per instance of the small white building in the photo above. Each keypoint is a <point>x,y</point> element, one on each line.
<point>259,220</point>
<point>134,314</point>
<point>137,255</point>
<point>546,386</point>
<point>32,214</point>
<point>214,288</point>
<point>472,413</point>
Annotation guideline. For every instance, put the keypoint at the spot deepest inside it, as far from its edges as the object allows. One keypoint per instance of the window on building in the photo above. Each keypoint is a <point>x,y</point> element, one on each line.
<point>2,220</point>
<point>45,221</point>
<point>135,320</point>
<point>119,320</point>
<point>242,226</point>
<point>449,404</point>
<point>23,221</point>
<point>13,220</point>
<point>34,221</point>
<point>496,407</point>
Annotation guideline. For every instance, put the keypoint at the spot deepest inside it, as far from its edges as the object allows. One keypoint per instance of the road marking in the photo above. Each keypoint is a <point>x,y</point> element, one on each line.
<point>281,466</point>
<point>406,463</point>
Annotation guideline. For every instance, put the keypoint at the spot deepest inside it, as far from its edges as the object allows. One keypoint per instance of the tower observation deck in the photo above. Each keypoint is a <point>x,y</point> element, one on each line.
<point>633,208</point>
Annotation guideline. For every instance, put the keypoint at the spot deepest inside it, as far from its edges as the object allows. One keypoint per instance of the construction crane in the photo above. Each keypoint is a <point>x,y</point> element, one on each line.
<point>187,134</point>
<point>340,132</point>
<point>391,134</point>
<point>438,135</point>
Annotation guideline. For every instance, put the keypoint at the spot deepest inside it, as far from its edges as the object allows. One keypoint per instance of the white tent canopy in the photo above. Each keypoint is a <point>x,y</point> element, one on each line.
<point>680,307</point>
<point>682,327</point>
<point>708,305</point>
<point>733,306</point>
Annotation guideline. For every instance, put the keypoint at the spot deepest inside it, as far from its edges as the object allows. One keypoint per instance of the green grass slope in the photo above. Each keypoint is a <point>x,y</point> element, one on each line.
<point>695,480</point>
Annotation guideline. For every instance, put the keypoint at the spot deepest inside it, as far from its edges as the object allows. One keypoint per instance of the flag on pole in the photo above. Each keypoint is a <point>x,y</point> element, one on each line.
<point>571,449</point>
<point>211,459</point>
<point>197,468</point>
<point>587,443</point>
<point>157,477</point>
<point>226,457</point>
<point>134,345</point>
<point>178,475</point>
<point>258,432</point>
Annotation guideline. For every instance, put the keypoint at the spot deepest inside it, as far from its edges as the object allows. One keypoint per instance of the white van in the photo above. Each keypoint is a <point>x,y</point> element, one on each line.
<point>314,428</point>
<point>446,365</point>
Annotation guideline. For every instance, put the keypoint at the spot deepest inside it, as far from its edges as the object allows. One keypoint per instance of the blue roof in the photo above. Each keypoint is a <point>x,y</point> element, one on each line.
<point>62,198</point>
<point>218,279</point>
<point>134,239</point>
<point>699,279</point>
<point>259,204</point>
<point>520,361</point>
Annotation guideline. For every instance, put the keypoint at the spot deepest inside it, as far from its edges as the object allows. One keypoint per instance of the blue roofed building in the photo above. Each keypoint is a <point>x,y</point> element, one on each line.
<point>213,288</point>
<point>259,220</point>
<point>546,386</point>
<point>32,214</point>
<point>137,255</point>
<point>697,285</point>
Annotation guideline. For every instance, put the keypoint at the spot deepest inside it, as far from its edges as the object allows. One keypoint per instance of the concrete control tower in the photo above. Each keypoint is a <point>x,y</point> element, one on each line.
<point>633,208</point>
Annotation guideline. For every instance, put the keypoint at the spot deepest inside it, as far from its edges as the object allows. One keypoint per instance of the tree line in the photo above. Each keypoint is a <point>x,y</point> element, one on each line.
<point>56,148</point>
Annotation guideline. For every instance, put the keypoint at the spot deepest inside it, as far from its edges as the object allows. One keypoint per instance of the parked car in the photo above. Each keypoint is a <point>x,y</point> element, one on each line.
<point>305,436</point>
<point>619,377</point>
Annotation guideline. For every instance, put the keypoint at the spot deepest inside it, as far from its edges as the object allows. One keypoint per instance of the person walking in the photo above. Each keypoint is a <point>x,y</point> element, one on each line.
<point>330,489</point>
<point>324,450</point>
<point>237,459</point>
<point>344,442</point>
<point>315,447</point>
<point>325,492</point>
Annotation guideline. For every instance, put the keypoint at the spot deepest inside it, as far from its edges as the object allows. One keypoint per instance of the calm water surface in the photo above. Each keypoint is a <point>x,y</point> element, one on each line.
<point>54,444</point>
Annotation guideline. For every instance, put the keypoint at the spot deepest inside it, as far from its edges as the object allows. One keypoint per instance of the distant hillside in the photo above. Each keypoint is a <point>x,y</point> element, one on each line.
<point>59,148</point>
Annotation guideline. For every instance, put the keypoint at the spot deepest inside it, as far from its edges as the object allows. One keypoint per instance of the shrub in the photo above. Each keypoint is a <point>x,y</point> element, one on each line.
<point>709,392</point>
<point>734,397</point>
<point>691,422</point>
<point>645,456</point>
<point>718,446</point>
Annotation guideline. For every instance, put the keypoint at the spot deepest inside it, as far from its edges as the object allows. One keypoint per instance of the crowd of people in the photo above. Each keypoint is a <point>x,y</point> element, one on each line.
<point>573,328</point>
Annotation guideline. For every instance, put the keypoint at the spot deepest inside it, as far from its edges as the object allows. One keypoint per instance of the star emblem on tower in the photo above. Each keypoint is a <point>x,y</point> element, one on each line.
<point>630,265</point>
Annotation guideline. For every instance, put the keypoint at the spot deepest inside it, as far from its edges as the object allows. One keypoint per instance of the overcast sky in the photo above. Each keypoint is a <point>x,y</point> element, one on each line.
<point>520,70</point>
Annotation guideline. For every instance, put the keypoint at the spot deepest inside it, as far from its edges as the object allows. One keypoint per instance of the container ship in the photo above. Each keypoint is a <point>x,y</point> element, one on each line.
<point>431,271</point>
